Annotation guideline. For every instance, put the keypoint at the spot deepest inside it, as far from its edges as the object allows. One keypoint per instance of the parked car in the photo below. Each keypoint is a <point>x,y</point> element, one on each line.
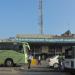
<point>53,61</point>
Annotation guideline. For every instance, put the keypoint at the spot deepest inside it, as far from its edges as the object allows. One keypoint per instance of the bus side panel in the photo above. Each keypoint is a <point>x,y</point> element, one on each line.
<point>70,63</point>
<point>74,63</point>
<point>18,58</point>
<point>67,63</point>
<point>2,56</point>
<point>15,56</point>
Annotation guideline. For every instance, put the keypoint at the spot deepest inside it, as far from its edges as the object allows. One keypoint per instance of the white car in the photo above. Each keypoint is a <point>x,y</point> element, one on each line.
<point>54,61</point>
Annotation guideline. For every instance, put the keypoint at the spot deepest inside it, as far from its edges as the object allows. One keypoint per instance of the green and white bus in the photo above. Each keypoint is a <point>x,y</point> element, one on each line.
<point>13,53</point>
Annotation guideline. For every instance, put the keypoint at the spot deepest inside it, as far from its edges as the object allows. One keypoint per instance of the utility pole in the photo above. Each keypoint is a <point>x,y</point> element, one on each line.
<point>41,16</point>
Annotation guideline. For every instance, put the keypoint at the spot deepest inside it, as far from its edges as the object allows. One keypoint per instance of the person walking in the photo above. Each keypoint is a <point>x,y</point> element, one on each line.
<point>29,61</point>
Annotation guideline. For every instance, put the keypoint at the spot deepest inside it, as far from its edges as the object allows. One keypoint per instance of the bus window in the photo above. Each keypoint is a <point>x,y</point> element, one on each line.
<point>69,53</point>
<point>18,48</point>
<point>21,50</point>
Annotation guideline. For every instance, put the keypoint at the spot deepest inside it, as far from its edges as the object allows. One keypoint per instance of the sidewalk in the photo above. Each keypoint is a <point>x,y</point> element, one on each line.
<point>43,64</point>
<point>37,68</point>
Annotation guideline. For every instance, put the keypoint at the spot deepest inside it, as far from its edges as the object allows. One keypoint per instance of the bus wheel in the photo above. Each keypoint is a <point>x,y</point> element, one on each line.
<point>9,63</point>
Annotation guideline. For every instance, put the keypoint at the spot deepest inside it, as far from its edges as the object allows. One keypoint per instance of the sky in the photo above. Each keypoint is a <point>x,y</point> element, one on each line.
<point>22,17</point>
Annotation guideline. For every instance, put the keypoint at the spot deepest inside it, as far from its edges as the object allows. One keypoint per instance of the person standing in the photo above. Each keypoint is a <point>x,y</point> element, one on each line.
<point>61,63</point>
<point>39,60</point>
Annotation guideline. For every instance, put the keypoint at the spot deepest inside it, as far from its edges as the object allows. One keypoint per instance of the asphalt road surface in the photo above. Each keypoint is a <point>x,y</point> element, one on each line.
<point>34,73</point>
<point>12,71</point>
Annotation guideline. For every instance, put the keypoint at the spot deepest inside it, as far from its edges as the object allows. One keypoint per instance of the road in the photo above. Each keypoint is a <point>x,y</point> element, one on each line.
<point>34,73</point>
<point>43,73</point>
<point>12,71</point>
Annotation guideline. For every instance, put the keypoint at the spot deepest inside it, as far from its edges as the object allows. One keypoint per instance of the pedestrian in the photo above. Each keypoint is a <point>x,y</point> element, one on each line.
<point>62,66</point>
<point>61,63</point>
<point>29,61</point>
<point>39,60</point>
<point>59,59</point>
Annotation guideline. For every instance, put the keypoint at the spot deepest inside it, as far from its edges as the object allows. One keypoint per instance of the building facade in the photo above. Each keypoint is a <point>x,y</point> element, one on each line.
<point>43,45</point>
<point>47,45</point>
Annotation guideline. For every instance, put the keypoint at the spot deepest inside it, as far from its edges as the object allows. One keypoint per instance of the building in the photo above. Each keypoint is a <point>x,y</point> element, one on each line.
<point>43,45</point>
<point>47,45</point>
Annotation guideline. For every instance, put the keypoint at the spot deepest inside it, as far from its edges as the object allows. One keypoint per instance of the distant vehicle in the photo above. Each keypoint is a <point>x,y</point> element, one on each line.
<point>54,61</point>
<point>13,53</point>
<point>69,62</point>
